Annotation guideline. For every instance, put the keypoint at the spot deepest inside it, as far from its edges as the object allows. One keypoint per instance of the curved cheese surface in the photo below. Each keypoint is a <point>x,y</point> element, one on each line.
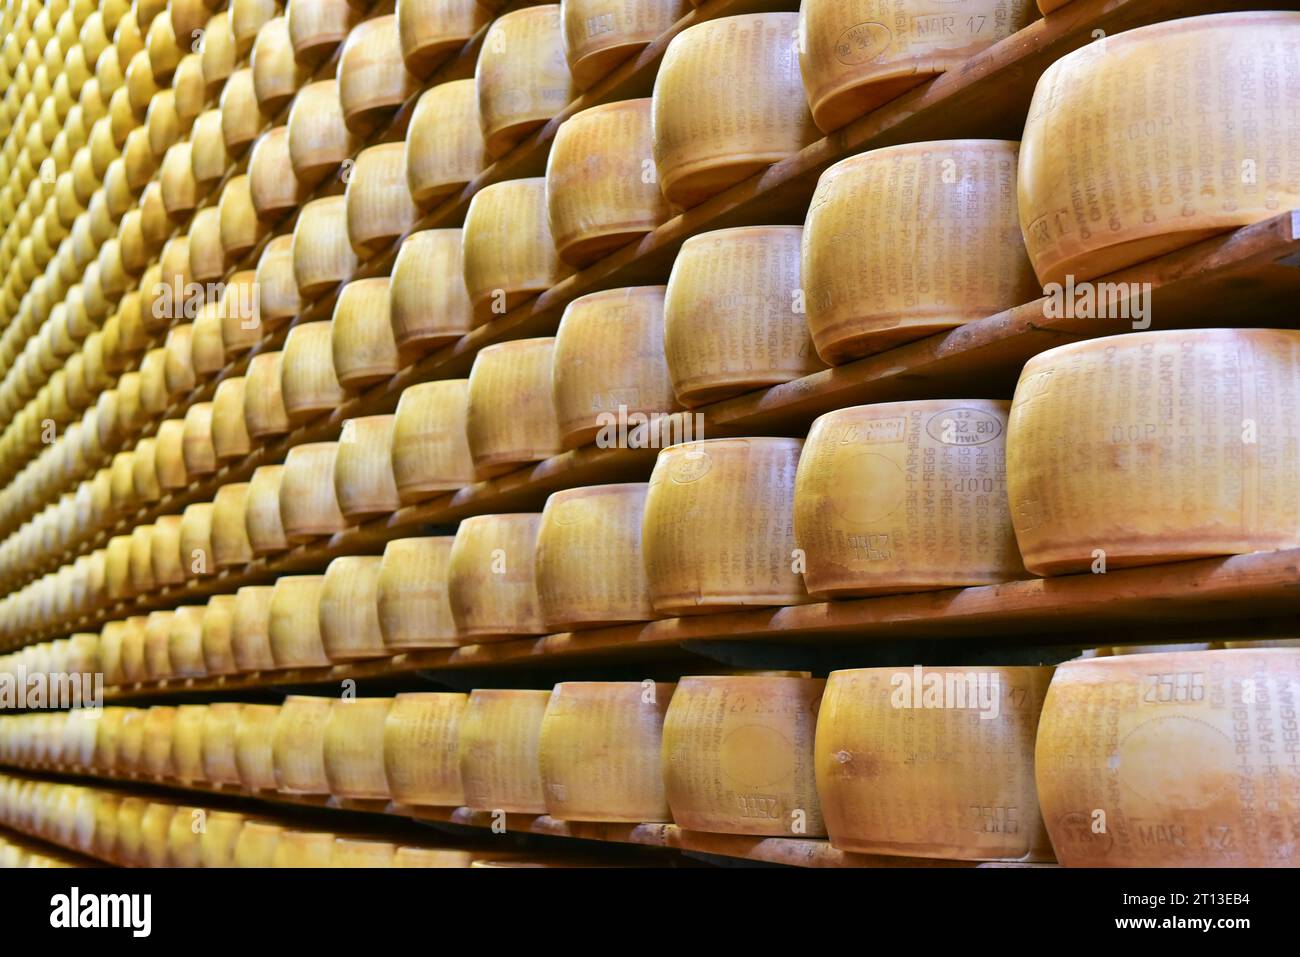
<point>500,731</point>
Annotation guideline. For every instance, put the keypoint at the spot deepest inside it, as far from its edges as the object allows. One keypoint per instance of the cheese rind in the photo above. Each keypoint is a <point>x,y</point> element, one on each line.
<point>510,416</point>
<point>354,748</point>
<point>521,75</point>
<point>298,747</point>
<point>500,734</point>
<point>492,578</point>
<point>411,599</point>
<point>431,452</point>
<point>422,749</point>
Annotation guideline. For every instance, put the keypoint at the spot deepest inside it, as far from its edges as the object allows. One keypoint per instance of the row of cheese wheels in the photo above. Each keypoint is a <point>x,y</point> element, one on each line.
<point>887,498</point>
<point>1118,761</point>
<point>17,853</point>
<point>135,831</point>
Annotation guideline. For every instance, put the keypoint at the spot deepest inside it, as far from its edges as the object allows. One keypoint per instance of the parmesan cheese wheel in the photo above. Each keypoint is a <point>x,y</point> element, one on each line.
<point>431,30</point>
<point>379,206</point>
<point>322,255</point>
<point>196,541</point>
<point>354,748</point>
<point>187,742</point>
<point>1205,416</point>
<point>718,527</point>
<point>157,647</point>
<point>411,596</point>
<point>207,256</point>
<point>130,745</point>
<point>294,625</point>
<point>230,438</point>
<point>155,825</point>
<point>444,142</point>
<point>521,76</point>
<point>590,570</point>
<point>355,852</point>
<point>361,335</point>
<point>500,734</point>
<point>254,735</point>
<point>428,305</point>
<point>349,616</point>
<point>219,726</point>
<point>932,762</point>
<point>738,755</point>
<point>600,751</point>
<point>319,140</point>
<point>317,26</point>
<point>264,412</point>
<point>196,440</point>
<point>250,639</point>
<point>511,418</point>
<point>309,507</point>
<point>856,56</point>
<point>609,364</point>
<point>728,102</point>
<point>218,635</point>
<point>599,35</point>
<point>257,841</point>
<point>421,749</point>
<point>905,496</point>
<point>733,314</point>
<point>240,229</point>
<point>130,815</point>
<point>1100,185</point>
<point>277,301</point>
<point>241,326</point>
<point>431,452</point>
<point>299,745</point>
<point>133,666</point>
<point>144,471</point>
<point>276,75</point>
<point>107,807</point>
<point>308,383</point>
<point>952,240</point>
<point>491,577</point>
<point>157,734</point>
<point>303,848</point>
<point>165,551</point>
<point>1171,760</point>
<point>262,511</point>
<point>363,474</point>
<point>178,370</point>
<point>509,253</point>
<point>230,544</point>
<point>184,826</point>
<point>273,187</point>
<point>185,642</point>
<point>599,196</point>
<point>217,838</point>
<point>372,76</point>
<point>168,456</point>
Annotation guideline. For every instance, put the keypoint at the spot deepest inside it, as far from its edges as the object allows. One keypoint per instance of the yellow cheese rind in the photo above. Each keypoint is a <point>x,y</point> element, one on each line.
<point>510,418</point>
<point>298,747</point>
<point>421,749</point>
<point>431,452</point>
<point>521,75</point>
<point>500,732</point>
<point>354,748</point>
<point>599,35</point>
<point>349,617</point>
<point>411,598</point>
<point>1171,760</point>
<point>1155,447</point>
<point>294,622</point>
<point>492,578</point>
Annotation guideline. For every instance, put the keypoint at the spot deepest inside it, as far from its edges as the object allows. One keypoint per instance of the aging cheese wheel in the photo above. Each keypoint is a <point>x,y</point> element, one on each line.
<point>590,570</point>
<point>379,206</point>
<point>319,140</point>
<point>218,635</point>
<point>599,196</point>
<point>411,596</point>
<point>130,815</point>
<point>230,439</point>
<point>157,645</point>
<point>241,323</point>
<point>609,365</point>
<point>500,734</point>
<point>317,26</point>
<point>738,755</point>
<point>932,762</point>
<point>373,79</point>
<point>349,615</point>
<point>156,753</point>
<point>905,496</point>
<point>240,228</point>
<point>155,824</point>
<point>168,455</point>
<point>276,75</point>
<point>230,544</point>
<point>277,301</point>
<point>257,842</point>
<point>250,639</point>
<point>262,512</point>
<point>1171,760</point>
<point>363,472</point>
<point>911,240</point>
<point>354,748</point>
<point>294,626</point>
<point>508,252</point>
<point>431,452</point>
<point>601,34</point>
<point>196,541</point>
<point>196,440</point>
<point>322,255</point>
<point>264,412</point>
<point>431,30</point>
<point>734,316</point>
<point>217,838</point>
<point>183,833</point>
<point>309,385</point>
<point>491,577</point>
<point>185,642</point>
<point>857,55</point>
<point>299,745</point>
<point>428,305</point>
<point>361,334</point>
<point>356,852</point>
<point>303,848</point>
<point>187,742</point>
<point>1107,177</point>
<point>601,750</point>
<point>511,417</point>
<point>1207,417</point>
<point>728,102</point>
<point>444,142</point>
<point>521,76</point>
<point>219,725</point>
<point>254,738</point>
<point>273,187</point>
<point>718,528</point>
<point>421,748</point>
<point>309,507</point>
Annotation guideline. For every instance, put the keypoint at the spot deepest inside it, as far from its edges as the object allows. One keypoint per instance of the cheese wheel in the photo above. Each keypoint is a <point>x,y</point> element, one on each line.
<point>421,748</point>
<point>168,456</point>
<point>905,496</point>
<point>264,412</point>
<point>428,304</point>
<point>717,532</point>
<point>511,418</point>
<point>262,511</point>
<point>856,56</point>
<point>294,625</point>
<point>431,30</point>
<point>363,473</point>
<point>609,364</point>
<point>254,736</point>
<point>411,596</point>
<point>185,825</point>
<point>196,541</point>
<point>354,748</point>
<point>1171,760</point>
<point>133,666</point>
<point>196,440</point>
<point>379,205</point>
<point>276,75</point>
<point>599,196</point>
<point>355,852</point>
<point>178,368</point>
<point>187,742</point>
<point>130,746</point>
<point>217,838</point>
<point>207,256</point>
<point>444,142</point>
<point>319,140</point>
<point>219,724</point>
<point>728,102</point>
<point>373,79</point>
<point>157,646</point>
<point>1099,184</point>
<point>240,228</point>
<point>130,815</point>
<point>733,314</point>
<point>257,842</point>
<point>185,642</point>
<point>932,762</point>
<point>509,253</point>
<point>303,848</point>
<point>155,826</point>
<point>361,335</point>
<point>348,613</point>
<point>590,571</point>
<point>309,385</point>
<point>598,35</point>
<point>521,76</point>
<point>431,451</point>
<point>230,438</point>
<point>156,753</point>
<point>600,751</point>
<point>165,557</point>
<point>277,301</point>
<point>110,652</point>
<point>273,187</point>
<point>738,755</point>
<point>322,255</point>
<point>299,745</point>
<point>241,325</point>
<point>500,734</point>
<point>309,507</point>
<point>107,807</point>
<point>1205,416</point>
<point>952,238</point>
<point>218,635</point>
<point>317,26</point>
<point>230,544</point>
<point>491,577</point>
<point>250,639</point>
